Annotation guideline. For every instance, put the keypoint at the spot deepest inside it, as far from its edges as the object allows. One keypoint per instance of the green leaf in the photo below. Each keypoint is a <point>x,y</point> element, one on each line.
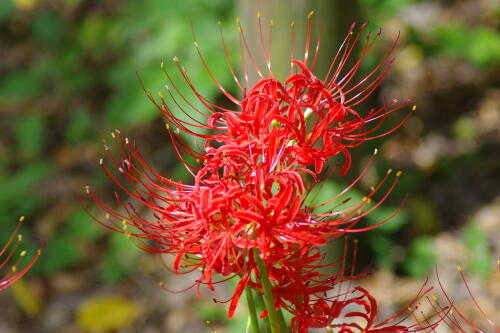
<point>82,227</point>
<point>421,257</point>
<point>119,260</point>
<point>59,253</point>
<point>484,48</point>
<point>6,10</point>
<point>30,136</point>
<point>21,84</point>
<point>79,126</point>
<point>383,212</point>
<point>47,28</point>
<point>382,245</point>
<point>480,256</point>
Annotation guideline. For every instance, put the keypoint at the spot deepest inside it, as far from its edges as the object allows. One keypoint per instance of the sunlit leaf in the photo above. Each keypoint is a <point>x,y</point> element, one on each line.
<point>26,4</point>
<point>106,313</point>
<point>27,298</point>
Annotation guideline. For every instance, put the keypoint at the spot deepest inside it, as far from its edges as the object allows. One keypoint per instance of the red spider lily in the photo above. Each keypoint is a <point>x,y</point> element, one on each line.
<point>456,321</point>
<point>356,311</point>
<point>303,121</point>
<point>252,186</point>
<point>14,272</point>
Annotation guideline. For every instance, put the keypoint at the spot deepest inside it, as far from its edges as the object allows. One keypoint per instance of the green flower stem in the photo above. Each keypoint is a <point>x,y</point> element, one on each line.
<point>261,305</point>
<point>282,321</point>
<point>252,310</point>
<point>268,295</point>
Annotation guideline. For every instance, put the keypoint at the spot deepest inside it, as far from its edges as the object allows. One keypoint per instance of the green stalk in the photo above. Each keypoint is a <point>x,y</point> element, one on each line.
<point>267,324</point>
<point>268,295</point>
<point>252,310</point>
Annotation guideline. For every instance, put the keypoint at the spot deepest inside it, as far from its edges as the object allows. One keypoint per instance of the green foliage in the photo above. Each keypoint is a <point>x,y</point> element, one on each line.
<point>120,259</point>
<point>22,185</point>
<point>480,45</point>
<point>385,8</point>
<point>59,253</point>
<point>80,125</point>
<point>30,131</point>
<point>464,129</point>
<point>421,257</point>
<point>47,28</point>
<point>20,84</point>
<point>67,247</point>
<point>480,257</point>
<point>6,9</point>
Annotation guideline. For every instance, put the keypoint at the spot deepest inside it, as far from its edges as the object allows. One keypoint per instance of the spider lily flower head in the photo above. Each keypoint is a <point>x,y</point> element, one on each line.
<point>8,261</point>
<point>257,168</point>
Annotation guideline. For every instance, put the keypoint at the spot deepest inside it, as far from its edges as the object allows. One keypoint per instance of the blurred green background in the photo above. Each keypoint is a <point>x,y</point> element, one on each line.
<point>68,78</point>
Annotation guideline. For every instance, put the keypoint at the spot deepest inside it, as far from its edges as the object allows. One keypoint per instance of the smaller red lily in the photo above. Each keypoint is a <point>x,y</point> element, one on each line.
<point>14,273</point>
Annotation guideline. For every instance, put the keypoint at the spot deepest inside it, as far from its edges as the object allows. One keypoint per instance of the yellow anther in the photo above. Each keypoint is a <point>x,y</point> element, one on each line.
<point>162,64</point>
<point>161,283</point>
<point>38,252</point>
<point>237,20</point>
<point>274,122</point>
<point>311,13</point>
<point>459,268</point>
<point>399,173</point>
<point>19,238</point>
<point>160,94</point>
<point>434,298</point>
<point>258,14</point>
<point>14,268</point>
<point>410,309</point>
<point>389,171</point>
<point>106,216</point>
<point>219,22</point>
<point>375,152</point>
<point>167,126</point>
<point>239,28</point>
<point>113,135</point>
<point>124,222</point>
<point>350,33</point>
<point>196,44</point>
<point>271,22</point>
<point>414,107</point>
<point>23,253</point>
<point>292,23</point>
<point>175,59</point>
<point>21,219</point>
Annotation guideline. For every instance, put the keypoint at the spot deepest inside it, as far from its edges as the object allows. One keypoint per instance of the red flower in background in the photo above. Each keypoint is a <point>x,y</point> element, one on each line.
<point>256,171</point>
<point>9,263</point>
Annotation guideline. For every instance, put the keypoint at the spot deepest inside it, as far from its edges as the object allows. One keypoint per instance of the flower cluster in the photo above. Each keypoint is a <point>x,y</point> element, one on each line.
<point>13,271</point>
<point>249,212</point>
